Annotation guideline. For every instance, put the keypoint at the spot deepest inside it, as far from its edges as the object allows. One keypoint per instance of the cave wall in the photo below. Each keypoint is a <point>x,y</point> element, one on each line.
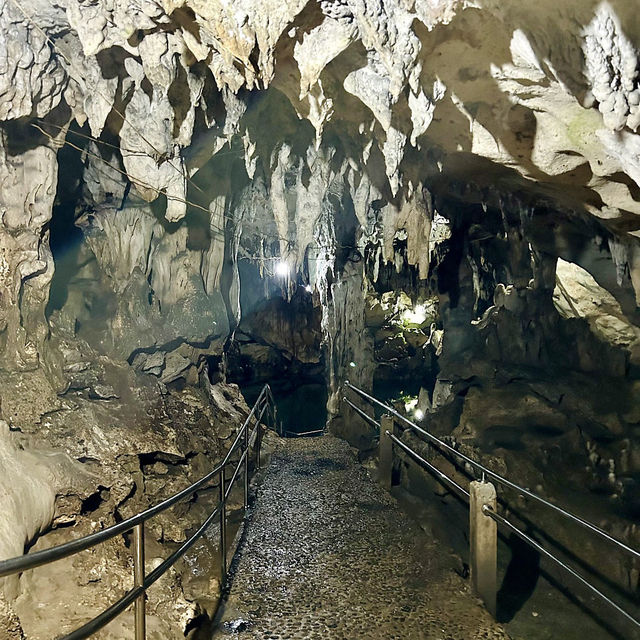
<point>372,100</point>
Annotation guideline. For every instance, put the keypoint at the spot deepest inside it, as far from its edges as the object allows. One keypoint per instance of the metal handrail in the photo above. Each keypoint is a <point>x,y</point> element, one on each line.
<point>440,474</point>
<point>497,477</point>
<point>487,510</point>
<point>302,434</point>
<point>125,601</point>
<point>142,583</point>
<point>362,414</point>
<point>46,556</point>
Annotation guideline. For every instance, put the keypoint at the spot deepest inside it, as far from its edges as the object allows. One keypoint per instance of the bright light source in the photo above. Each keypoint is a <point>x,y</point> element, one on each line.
<point>418,414</point>
<point>352,364</point>
<point>308,288</point>
<point>410,404</point>
<point>282,269</point>
<point>415,316</point>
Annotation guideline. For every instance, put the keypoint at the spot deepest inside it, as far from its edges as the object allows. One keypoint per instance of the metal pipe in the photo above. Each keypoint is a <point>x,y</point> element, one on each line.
<point>46,556</point>
<point>256,429</point>
<point>230,483</point>
<point>361,413</point>
<point>258,432</point>
<point>136,523</point>
<point>257,425</point>
<point>161,569</point>
<point>441,476</point>
<point>223,531</point>
<point>258,446</point>
<point>294,434</point>
<point>106,616</point>
<point>246,422</point>
<point>273,409</point>
<point>488,511</point>
<point>138,581</point>
<point>498,478</point>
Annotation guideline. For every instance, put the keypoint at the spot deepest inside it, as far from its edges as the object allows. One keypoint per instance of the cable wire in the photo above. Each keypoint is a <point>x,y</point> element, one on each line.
<point>30,19</point>
<point>104,143</point>
<point>33,23</point>
<point>440,474</point>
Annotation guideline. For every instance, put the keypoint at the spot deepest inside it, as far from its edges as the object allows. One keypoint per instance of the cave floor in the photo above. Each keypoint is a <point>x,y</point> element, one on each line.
<point>329,554</point>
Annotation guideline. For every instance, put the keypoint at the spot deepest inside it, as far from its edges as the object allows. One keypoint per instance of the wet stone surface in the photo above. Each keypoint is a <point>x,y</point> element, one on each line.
<point>329,555</point>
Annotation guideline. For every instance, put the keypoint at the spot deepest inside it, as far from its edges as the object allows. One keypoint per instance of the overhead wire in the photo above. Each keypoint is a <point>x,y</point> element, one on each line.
<point>160,191</point>
<point>137,181</point>
<point>33,23</point>
<point>86,136</point>
<point>134,181</point>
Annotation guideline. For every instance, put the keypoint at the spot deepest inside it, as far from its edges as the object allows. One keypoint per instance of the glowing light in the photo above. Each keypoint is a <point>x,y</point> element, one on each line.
<point>282,269</point>
<point>352,364</point>
<point>417,315</point>
<point>308,288</point>
<point>418,414</point>
<point>410,405</point>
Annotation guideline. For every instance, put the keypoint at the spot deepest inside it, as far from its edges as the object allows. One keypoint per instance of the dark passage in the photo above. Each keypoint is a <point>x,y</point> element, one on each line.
<point>279,342</point>
<point>65,237</point>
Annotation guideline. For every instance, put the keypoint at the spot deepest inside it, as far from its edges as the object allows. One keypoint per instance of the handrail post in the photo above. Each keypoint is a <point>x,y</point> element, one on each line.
<point>246,462</point>
<point>223,531</point>
<point>483,541</point>
<point>138,580</point>
<point>278,425</point>
<point>385,452</point>
<point>258,444</point>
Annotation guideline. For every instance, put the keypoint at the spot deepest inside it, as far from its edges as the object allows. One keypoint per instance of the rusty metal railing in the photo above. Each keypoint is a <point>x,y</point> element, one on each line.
<point>246,435</point>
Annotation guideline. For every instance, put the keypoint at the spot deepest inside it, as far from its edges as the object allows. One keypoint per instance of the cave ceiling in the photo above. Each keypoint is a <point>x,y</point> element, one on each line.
<point>299,130</point>
<point>516,97</point>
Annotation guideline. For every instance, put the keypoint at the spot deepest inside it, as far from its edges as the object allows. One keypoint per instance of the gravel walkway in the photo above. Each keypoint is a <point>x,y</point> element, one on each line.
<point>329,555</point>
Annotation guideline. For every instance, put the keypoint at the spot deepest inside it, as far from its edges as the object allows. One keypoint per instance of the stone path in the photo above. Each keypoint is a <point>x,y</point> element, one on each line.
<point>329,555</point>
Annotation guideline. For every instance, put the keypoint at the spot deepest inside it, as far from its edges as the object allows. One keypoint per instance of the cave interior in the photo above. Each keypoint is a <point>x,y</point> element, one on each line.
<point>435,201</point>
